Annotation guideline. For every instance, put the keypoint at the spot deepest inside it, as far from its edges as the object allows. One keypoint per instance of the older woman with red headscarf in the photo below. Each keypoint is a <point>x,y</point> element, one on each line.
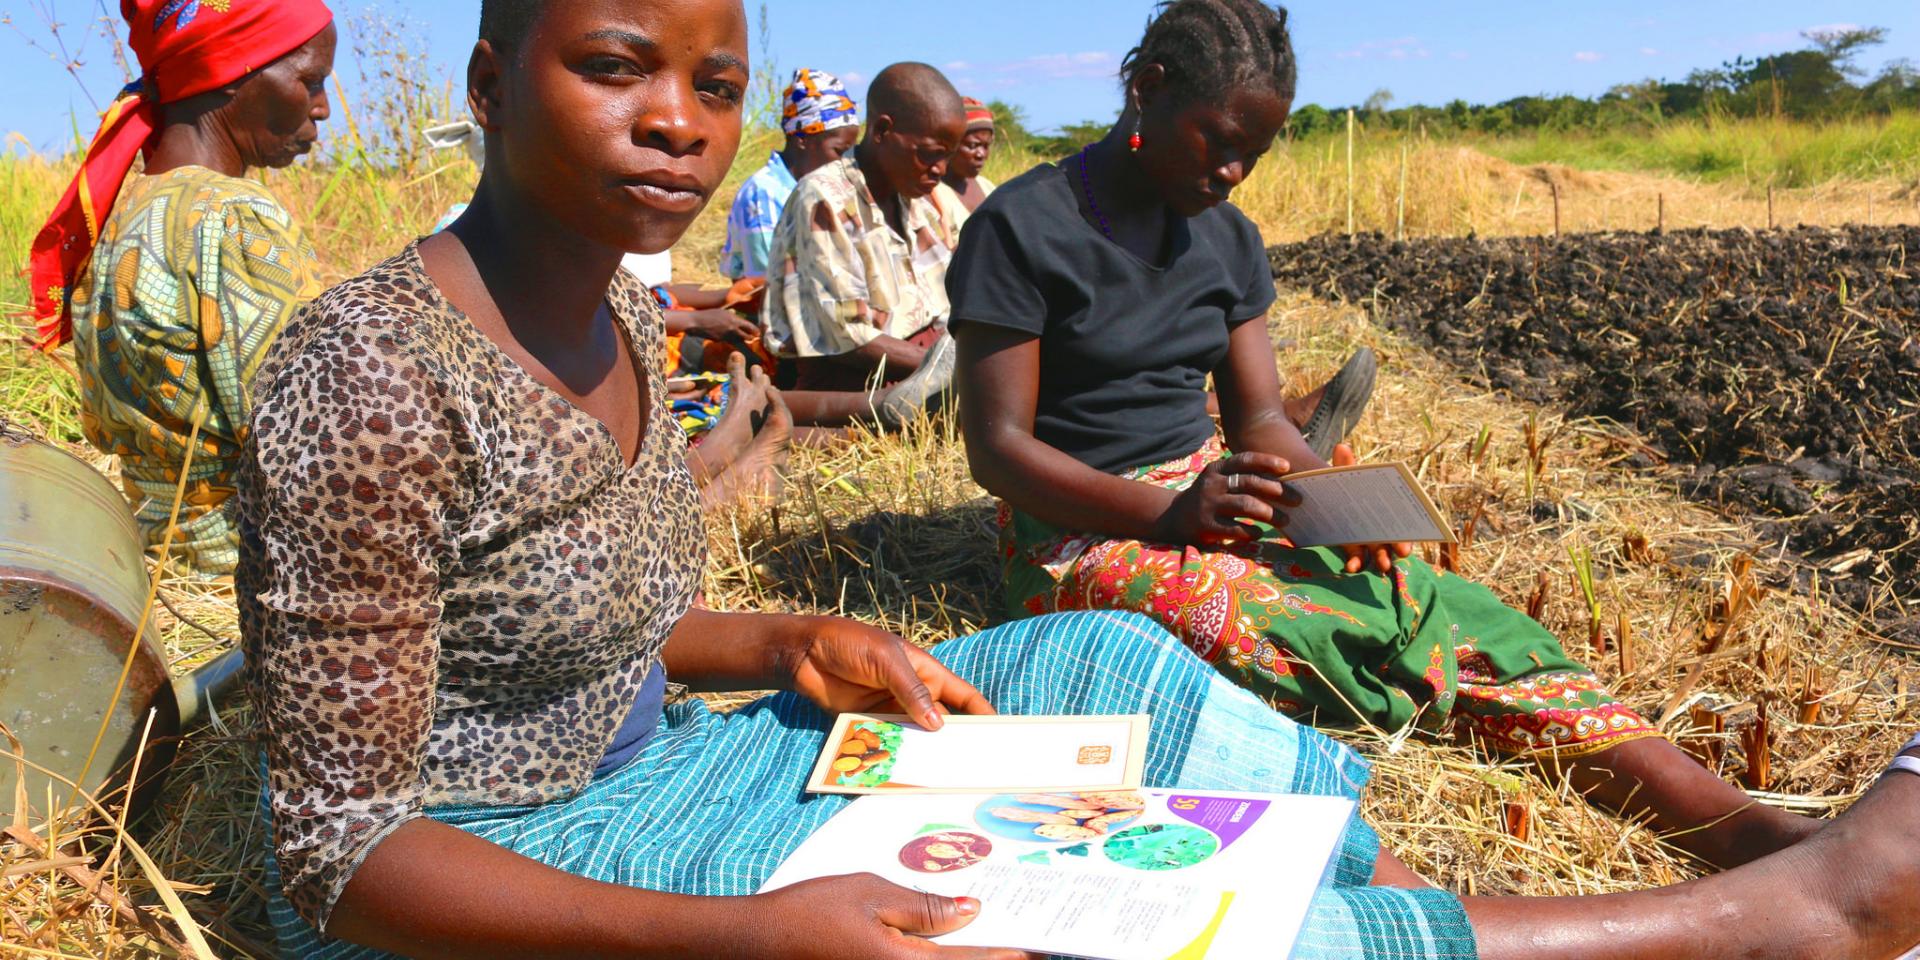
<point>172,283</point>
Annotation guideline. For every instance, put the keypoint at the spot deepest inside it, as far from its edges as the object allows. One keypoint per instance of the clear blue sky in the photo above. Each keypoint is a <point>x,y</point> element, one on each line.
<point>1057,58</point>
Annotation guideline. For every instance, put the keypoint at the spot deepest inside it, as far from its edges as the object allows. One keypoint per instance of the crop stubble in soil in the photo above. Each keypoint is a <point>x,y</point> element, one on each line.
<point>1781,366</point>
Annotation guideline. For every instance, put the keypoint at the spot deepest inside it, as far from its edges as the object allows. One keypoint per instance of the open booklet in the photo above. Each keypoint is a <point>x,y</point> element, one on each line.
<point>1113,875</point>
<point>1366,503</point>
<point>872,753</point>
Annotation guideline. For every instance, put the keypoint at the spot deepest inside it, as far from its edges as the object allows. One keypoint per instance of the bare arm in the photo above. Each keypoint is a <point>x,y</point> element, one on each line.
<point>698,297</point>
<point>1252,412</point>
<point>999,374</point>
<point>433,891</point>
<point>839,664</point>
<point>901,358</point>
<point>714,323</point>
<point>498,903</point>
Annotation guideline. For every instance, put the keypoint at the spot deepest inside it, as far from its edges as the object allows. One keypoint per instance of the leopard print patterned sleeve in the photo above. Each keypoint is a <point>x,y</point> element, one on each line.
<point>452,584</point>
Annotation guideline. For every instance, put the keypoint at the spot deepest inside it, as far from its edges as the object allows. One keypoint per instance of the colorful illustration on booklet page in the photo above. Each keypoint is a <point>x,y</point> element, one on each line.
<point>1161,846</point>
<point>945,851</point>
<point>866,755</point>
<point>1060,817</point>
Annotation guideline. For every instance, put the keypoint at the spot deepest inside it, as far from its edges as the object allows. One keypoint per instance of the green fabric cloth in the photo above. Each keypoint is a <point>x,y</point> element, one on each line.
<point>194,276</point>
<point>1421,647</point>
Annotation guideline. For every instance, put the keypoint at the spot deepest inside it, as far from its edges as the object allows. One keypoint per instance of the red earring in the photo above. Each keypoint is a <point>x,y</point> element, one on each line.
<point>1134,141</point>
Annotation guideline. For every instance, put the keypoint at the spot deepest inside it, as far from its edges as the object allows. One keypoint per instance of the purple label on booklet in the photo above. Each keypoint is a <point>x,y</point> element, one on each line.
<point>1228,819</point>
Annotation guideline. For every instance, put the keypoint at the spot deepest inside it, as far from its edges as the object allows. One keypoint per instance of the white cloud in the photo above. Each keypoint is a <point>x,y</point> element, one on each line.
<point>1831,28</point>
<point>1398,48</point>
<point>854,79</point>
<point>1459,55</point>
<point>956,66</point>
<point>1649,52</point>
<point>1588,56</point>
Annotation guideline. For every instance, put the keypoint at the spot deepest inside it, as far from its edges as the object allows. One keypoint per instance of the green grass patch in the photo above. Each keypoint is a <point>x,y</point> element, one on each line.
<point>1781,153</point>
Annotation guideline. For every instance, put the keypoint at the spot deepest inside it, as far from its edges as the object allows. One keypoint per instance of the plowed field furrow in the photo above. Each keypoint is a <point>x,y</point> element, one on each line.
<point>1782,366</point>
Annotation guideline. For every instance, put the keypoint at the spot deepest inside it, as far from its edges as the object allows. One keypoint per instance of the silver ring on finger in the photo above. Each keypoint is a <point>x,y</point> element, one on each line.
<point>1233,483</point>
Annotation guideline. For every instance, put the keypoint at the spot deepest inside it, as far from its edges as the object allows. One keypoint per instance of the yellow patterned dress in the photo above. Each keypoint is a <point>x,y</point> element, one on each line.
<point>195,274</point>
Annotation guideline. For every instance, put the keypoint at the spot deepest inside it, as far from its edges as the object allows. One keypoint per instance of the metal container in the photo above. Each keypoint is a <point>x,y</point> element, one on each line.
<point>73,585</point>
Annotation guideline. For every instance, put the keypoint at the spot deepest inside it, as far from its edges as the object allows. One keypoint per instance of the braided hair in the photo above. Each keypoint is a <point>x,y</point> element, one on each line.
<point>1210,48</point>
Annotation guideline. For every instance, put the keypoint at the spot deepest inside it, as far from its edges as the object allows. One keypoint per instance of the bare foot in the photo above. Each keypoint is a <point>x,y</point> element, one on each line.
<point>1695,810</point>
<point>1752,834</point>
<point>759,473</point>
<point>733,433</point>
<point>1300,409</point>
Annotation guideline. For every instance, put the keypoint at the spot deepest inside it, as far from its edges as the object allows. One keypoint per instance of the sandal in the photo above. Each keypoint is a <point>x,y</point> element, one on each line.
<point>1340,407</point>
<point>922,389</point>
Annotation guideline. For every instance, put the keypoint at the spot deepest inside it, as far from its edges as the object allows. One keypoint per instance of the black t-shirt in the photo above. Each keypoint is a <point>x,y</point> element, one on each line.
<point>1125,346</point>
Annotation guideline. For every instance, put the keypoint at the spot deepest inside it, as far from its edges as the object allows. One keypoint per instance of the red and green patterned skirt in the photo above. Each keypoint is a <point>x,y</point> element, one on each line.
<point>1420,648</point>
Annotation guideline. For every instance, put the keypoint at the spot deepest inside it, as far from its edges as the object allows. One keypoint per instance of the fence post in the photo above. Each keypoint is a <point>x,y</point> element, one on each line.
<point>1660,224</point>
<point>1400,207</point>
<point>1349,172</point>
<point>1769,206</point>
<point>1555,187</point>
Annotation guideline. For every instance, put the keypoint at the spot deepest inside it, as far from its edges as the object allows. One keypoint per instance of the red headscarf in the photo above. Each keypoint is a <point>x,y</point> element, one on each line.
<point>186,48</point>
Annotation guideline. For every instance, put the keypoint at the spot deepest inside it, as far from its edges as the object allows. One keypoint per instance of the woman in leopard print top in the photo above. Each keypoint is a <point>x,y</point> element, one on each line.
<point>469,555</point>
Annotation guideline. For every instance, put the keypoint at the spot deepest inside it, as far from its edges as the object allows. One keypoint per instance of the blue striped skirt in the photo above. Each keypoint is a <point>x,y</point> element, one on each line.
<point>714,802</point>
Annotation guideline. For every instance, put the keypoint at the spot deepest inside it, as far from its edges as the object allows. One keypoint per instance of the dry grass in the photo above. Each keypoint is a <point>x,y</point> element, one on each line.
<point>891,531</point>
<point>1451,190</point>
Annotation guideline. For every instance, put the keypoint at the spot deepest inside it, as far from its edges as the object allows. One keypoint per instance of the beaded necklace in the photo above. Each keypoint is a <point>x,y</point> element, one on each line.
<point>1086,183</point>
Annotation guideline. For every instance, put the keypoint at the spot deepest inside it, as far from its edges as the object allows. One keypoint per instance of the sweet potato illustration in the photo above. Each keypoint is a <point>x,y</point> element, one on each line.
<point>1066,831</point>
<point>1023,815</point>
<point>1062,801</point>
<point>1106,822</point>
<point>1116,799</point>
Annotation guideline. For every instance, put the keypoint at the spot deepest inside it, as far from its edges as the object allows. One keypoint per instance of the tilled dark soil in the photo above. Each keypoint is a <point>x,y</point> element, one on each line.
<point>1781,366</point>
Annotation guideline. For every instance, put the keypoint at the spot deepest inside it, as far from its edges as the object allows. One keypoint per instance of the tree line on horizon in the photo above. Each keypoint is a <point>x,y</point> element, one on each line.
<point>1821,81</point>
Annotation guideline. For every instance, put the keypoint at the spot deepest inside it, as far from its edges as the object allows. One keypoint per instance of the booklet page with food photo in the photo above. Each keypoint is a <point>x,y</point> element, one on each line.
<point>1108,875</point>
<point>883,752</point>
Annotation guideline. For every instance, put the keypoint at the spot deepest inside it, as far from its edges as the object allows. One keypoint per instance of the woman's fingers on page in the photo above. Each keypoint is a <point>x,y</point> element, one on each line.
<point>1245,507</point>
<point>903,681</point>
<point>1266,464</point>
<point>1220,531</point>
<point>917,913</point>
<point>1271,491</point>
<point>950,692</point>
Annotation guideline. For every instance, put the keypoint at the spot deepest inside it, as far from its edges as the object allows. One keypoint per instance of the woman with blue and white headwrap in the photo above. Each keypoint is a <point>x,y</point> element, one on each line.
<point>821,122</point>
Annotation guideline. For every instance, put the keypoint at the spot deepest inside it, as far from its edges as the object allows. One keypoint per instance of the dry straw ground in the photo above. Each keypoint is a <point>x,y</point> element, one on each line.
<point>891,530</point>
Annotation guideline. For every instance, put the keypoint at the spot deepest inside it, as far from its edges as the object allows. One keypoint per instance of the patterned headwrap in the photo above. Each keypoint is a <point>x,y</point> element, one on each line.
<point>979,115</point>
<point>186,48</point>
<point>816,102</point>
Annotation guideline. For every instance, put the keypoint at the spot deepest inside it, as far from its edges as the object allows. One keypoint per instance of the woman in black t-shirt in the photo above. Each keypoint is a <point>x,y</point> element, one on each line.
<point>1091,301</point>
